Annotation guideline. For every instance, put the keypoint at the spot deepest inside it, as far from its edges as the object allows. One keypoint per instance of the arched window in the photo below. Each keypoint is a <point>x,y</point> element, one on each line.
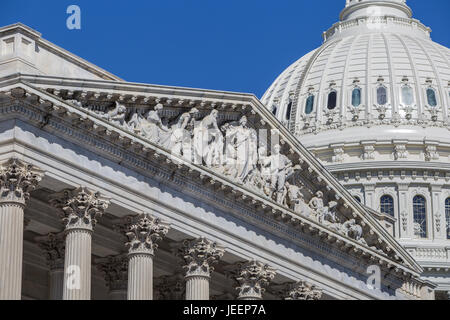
<point>332,100</point>
<point>357,198</point>
<point>431,97</point>
<point>407,95</point>
<point>447,216</point>
<point>288,110</point>
<point>274,110</point>
<point>387,205</point>
<point>356,97</point>
<point>309,107</point>
<point>420,216</point>
<point>381,96</point>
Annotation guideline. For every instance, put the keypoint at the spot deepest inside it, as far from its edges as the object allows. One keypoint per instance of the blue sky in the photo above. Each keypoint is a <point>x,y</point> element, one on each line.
<point>233,45</point>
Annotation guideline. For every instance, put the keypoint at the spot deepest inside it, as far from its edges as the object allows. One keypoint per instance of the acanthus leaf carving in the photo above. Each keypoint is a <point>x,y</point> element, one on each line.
<point>199,255</point>
<point>170,287</point>
<point>115,271</point>
<point>53,246</point>
<point>144,233</point>
<point>301,291</point>
<point>252,278</point>
<point>80,207</point>
<point>17,180</point>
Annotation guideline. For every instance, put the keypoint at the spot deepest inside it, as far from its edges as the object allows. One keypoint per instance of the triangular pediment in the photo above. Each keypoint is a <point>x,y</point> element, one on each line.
<point>294,188</point>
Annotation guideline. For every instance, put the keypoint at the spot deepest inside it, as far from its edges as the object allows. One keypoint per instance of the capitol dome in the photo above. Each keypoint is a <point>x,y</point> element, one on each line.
<point>377,66</point>
<point>373,104</point>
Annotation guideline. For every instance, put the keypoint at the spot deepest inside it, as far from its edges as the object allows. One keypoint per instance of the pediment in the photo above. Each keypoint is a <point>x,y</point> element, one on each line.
<point>170,124</point>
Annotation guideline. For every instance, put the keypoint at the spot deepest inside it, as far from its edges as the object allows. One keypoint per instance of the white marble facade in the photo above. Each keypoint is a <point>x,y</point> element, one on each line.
<point>116,190</point>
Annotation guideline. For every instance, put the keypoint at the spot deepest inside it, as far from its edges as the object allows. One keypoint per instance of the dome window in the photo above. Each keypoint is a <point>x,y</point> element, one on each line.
<point>356,97</point>
<point>332,100</point>
<point>420,216</point>
<point>381,96</point>
<point>288,110</point>
<point>309,107</point>
<point>431,97</point>
<point>407,95</point>
<point>447,216</point>
<point>274,110</point>
<point>387,205</point>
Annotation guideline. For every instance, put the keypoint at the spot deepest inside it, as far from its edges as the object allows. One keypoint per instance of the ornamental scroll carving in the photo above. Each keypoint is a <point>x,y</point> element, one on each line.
<point>234,149</point>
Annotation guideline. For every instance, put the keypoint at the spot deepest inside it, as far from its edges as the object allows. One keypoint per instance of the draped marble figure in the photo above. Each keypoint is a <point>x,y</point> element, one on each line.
<point>117,116</point>
<point>208,141</point>
<point>241,149</point>
<point>234,151</point>
<point>153,128</point>
<point>279,168</point>
<point>181,136</point>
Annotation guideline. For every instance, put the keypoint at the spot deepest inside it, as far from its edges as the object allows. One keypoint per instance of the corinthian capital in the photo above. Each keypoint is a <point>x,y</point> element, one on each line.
<point>115,270</point>
<point>199,255</point>
<point>301,291</point>
<point>17,180</point>
<point>53,246</point>
<point>170,287</point>
<point>252,277</point>
<point>79,207</point>
<point>144,233</point>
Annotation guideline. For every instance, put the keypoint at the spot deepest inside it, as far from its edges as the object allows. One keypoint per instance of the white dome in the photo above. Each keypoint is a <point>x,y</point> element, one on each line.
<point>373,105</point>
<point>376,45</point>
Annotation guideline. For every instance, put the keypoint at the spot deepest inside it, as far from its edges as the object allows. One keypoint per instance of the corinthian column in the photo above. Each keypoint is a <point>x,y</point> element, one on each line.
<point>143,234</point>
<point>53,246</point>
<point>252,277</point>
<point>17,180</point>
<point>199,256</point>
<point>79,209</point>
<point>115,269</point>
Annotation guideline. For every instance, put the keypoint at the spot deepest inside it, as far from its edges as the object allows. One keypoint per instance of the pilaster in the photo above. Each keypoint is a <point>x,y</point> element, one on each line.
<point>115,271</point>
<point>437,218</point>
<point>53,246</point>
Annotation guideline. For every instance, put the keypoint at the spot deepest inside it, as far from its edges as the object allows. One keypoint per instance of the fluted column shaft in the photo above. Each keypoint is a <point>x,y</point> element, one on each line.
<point>197,288</point>
<point>140,277</point>
<point>56,284</point>
<point>11,250</point>
<point>53,246</point>
<point>77,265</point>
